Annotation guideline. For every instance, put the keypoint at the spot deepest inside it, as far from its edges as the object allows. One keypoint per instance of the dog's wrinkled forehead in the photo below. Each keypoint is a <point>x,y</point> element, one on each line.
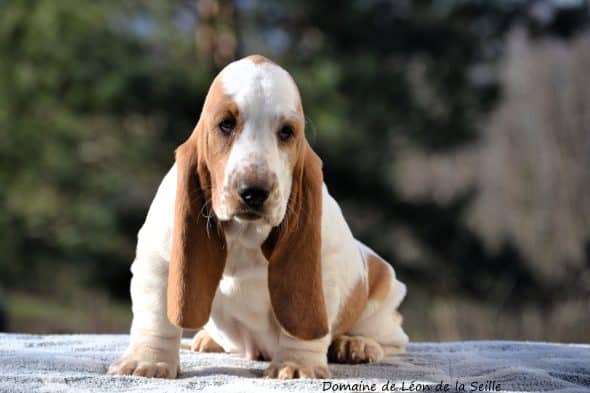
<point>255,83</point>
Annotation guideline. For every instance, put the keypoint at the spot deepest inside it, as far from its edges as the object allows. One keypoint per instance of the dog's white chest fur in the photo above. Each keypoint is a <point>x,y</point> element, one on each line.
<point>241,317</point>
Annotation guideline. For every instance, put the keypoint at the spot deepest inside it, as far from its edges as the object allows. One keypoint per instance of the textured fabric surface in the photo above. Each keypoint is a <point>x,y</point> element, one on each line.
<point>77,363</point>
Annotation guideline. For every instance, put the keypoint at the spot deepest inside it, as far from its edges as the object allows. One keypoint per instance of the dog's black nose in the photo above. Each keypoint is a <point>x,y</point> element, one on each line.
<point>254,197</point>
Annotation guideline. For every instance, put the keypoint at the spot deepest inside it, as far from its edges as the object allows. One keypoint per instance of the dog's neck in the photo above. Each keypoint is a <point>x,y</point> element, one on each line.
<point>244,239</point>
<point>246,234</point>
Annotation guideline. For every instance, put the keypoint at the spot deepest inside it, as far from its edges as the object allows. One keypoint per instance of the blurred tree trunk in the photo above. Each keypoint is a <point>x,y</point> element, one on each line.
<point>216,37</point>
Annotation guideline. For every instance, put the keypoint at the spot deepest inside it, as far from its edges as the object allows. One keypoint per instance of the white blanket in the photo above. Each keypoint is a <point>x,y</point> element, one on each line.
<point>77,363</point>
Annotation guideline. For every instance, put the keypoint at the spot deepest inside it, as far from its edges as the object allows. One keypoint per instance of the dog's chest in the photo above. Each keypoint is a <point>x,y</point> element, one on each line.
<point>241,317</point>
<point>243,291</point>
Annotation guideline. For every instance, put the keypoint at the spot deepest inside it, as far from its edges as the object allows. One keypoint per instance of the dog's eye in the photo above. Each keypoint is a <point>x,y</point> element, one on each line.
<point>227,126</point>
<point>285,133</point>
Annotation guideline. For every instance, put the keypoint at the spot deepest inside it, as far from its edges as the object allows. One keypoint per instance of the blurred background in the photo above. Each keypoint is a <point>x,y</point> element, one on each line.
<point>454,133</point>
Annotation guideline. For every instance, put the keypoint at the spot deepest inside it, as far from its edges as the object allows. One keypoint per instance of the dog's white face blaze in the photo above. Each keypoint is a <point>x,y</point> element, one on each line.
<point>265,95</point>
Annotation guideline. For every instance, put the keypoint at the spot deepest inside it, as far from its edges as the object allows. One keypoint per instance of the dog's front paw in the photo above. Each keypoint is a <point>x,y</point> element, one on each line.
<point>293,370</point>
<point>202,342</point>
<point>353,350</point>
<point>144,362</point>
<point>130,366</point>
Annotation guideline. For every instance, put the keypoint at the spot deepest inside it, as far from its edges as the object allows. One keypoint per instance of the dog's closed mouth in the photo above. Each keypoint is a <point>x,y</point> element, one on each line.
<point>248,215</point>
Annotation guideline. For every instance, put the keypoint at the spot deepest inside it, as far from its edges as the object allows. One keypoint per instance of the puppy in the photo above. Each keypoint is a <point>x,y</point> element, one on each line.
<point>244,241</point>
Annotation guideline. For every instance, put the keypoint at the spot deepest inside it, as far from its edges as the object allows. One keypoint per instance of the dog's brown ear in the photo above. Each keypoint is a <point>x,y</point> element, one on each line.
<point>293,250</point>
<point>198,247</point>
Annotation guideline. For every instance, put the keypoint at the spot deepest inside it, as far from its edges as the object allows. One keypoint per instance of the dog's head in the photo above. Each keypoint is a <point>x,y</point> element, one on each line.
<point>248,160</point>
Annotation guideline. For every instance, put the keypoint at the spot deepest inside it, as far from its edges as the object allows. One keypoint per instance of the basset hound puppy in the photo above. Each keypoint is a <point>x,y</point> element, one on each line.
<point>244,241</point>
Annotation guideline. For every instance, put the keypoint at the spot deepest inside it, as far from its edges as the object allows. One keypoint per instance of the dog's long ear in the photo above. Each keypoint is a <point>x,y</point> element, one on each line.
<point>293,250</point>
<point>198,247</point>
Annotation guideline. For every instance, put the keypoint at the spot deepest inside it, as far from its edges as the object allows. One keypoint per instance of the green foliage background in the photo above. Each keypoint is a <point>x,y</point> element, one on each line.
<point>95,96</point>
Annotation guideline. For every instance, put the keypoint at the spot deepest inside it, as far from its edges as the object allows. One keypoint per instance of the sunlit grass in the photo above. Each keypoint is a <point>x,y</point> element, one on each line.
<point>438,318</point>
<point>86,313</point>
